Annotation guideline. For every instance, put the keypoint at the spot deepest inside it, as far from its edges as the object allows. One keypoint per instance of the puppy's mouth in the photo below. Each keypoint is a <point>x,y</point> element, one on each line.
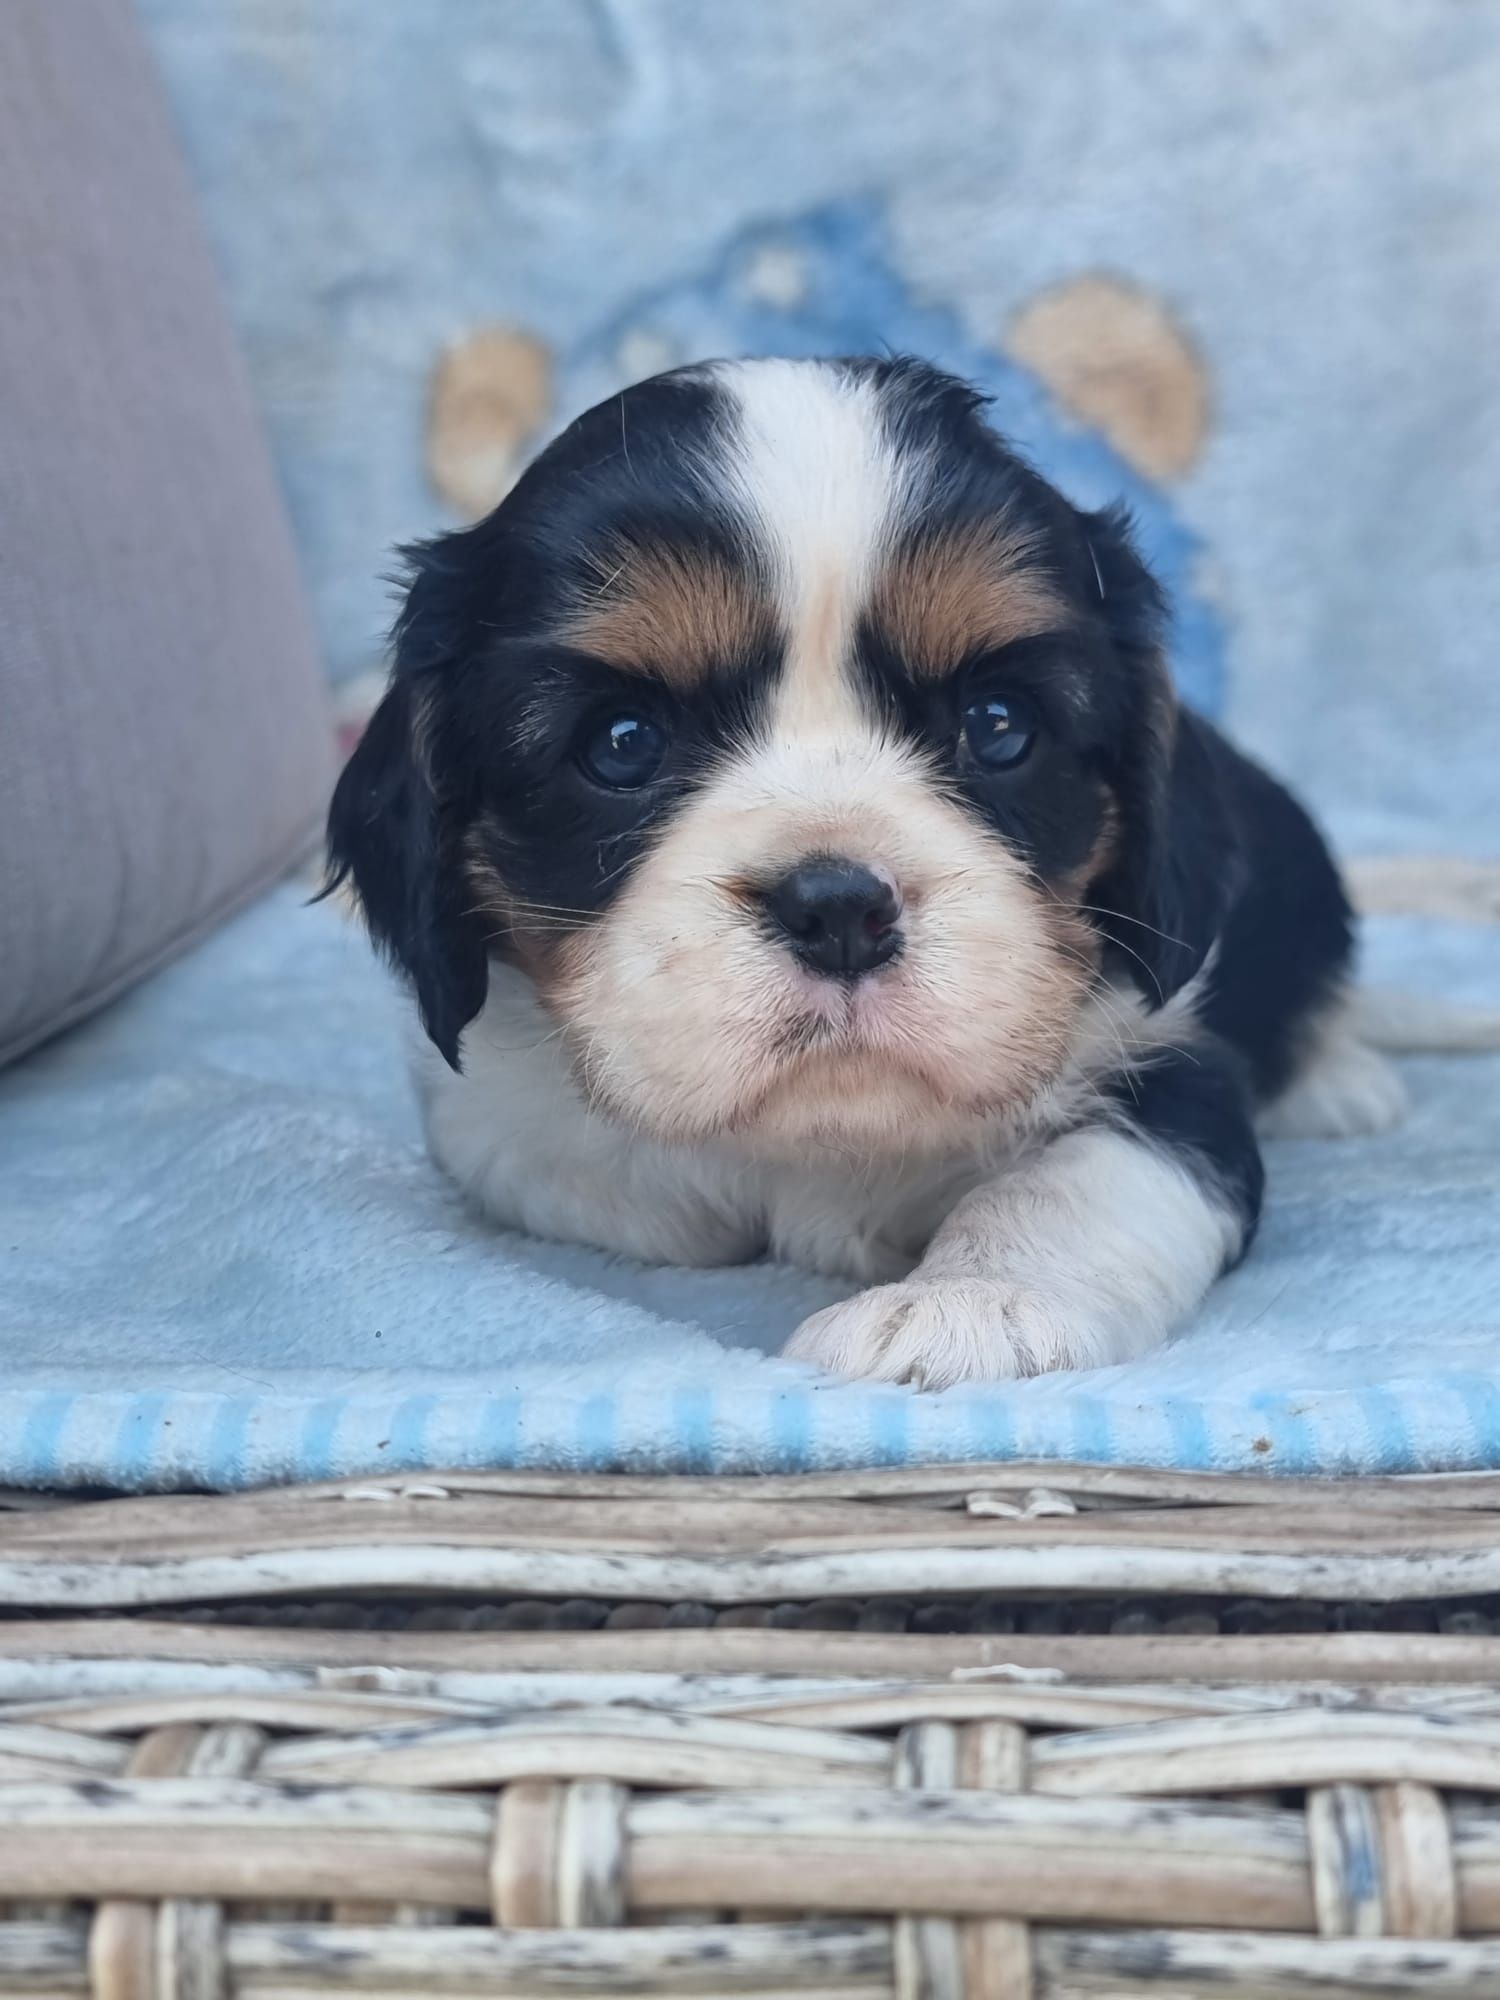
<point>859,1040</point>
<point>835,1017</point>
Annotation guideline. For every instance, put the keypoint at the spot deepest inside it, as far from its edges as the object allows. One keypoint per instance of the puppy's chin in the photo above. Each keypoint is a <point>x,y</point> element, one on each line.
<point>859,1100</point>
<point>772,1062</point>
<point>863,1104</point>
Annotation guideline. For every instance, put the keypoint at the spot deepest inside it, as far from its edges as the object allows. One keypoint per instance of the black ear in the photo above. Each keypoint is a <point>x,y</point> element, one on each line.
<point>397,838</point>
<point>1165,898</point>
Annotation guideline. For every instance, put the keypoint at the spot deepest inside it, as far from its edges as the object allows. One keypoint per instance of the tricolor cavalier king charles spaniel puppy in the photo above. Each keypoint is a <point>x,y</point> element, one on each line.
<point>783,815</point>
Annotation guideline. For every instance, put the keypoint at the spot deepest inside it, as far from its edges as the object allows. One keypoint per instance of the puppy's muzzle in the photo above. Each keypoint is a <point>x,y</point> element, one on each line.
<point>838,918</point>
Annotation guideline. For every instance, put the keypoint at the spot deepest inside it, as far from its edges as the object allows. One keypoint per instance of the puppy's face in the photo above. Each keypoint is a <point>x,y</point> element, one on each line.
<point>803,747</point>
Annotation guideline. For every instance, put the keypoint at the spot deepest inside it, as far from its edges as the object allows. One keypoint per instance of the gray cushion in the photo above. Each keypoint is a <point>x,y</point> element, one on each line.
<point>163,740</point>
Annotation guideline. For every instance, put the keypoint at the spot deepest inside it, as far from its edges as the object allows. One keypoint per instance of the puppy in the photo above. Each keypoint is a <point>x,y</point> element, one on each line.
<point>783,815</point>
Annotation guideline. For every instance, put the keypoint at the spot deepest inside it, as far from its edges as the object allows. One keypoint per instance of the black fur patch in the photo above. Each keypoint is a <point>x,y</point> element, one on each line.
<point>1288,937</point>
<point>1195,1102</point>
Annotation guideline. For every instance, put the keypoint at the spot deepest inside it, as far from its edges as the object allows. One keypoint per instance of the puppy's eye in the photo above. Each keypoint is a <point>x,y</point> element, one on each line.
<point>623,751</point>
<point>999,730</point>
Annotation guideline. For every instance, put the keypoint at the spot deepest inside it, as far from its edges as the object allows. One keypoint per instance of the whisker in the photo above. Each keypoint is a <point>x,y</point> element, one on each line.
<point>1094,910</point>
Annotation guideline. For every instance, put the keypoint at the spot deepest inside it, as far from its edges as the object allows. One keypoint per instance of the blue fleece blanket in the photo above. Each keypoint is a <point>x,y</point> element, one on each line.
<point>225,1258</point>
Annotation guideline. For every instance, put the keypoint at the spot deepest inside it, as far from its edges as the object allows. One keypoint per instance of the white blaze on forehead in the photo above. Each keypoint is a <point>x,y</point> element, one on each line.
<point>813,468</point>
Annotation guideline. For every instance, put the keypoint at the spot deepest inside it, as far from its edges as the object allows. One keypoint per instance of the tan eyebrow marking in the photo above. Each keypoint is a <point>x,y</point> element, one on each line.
<point>947,596</point>
<point>673,613</point>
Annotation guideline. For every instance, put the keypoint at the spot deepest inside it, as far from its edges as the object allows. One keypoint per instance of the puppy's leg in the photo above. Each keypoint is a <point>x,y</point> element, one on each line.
<point>1086,1252</point>
<point>1342,1087</point>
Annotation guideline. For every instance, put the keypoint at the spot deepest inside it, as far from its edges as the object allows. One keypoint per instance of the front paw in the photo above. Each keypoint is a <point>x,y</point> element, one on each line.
<point>934,1332</point>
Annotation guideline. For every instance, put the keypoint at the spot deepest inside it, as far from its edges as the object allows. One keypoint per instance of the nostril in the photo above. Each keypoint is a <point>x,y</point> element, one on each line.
<point>883,915</point>
<point>839,917</point>
<point>797,920</point>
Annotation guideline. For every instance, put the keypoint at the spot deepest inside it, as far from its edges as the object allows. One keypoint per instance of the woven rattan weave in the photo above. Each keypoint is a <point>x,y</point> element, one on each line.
<point>388,1786</point>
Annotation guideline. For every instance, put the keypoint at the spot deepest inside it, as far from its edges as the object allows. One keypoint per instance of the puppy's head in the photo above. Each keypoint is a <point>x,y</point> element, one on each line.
<point>805,749</point>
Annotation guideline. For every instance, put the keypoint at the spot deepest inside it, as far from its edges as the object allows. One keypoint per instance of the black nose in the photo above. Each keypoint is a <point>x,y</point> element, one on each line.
<point>838,916</point>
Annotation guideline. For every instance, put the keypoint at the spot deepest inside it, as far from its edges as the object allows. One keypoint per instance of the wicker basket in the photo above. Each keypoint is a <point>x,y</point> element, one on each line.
<point>302,1742</point>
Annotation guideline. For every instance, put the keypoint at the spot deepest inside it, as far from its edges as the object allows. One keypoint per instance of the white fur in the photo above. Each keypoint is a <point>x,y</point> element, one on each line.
<point>1084,1254</point>
<point>815,476</point>
<point>1042,1250</point>
<point>516,1134</point>
<point>1342,1088</point>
